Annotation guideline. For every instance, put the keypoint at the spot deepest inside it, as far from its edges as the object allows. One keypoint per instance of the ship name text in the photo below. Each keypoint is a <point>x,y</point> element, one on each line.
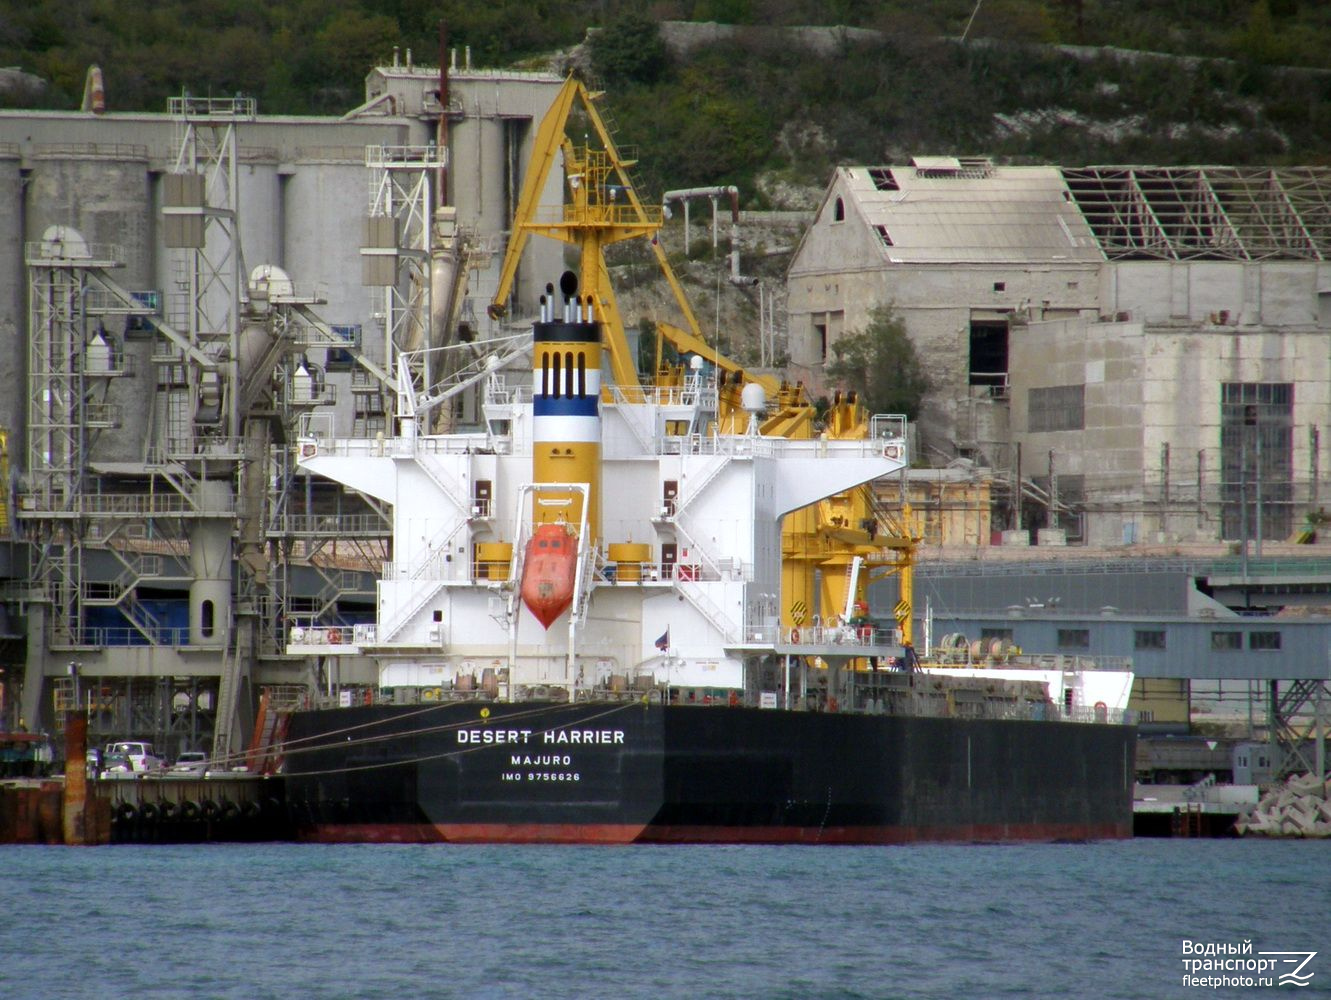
<point>580,737</point>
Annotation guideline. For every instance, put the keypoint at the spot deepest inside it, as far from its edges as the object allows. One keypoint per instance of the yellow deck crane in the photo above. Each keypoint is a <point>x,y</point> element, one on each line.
<point>848,539</point>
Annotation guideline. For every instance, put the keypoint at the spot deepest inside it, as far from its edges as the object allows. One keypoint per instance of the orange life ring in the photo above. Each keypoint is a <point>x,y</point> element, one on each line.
<point>794,635</point>
<point>892,451</point>
<point>334,636</point>
<point>1100,706</point>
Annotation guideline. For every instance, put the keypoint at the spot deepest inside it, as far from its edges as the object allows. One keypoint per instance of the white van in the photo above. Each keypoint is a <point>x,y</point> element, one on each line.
<point>140,756</point>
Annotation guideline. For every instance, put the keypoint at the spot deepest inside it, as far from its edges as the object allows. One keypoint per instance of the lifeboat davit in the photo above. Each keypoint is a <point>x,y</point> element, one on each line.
<point>548,572</point>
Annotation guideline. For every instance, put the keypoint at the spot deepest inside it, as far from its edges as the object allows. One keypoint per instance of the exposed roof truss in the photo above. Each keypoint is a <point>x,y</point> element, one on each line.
<point>1206,213</point>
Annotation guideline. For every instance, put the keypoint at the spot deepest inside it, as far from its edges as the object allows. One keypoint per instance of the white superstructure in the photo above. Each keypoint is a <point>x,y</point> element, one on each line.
<point>683,584</point>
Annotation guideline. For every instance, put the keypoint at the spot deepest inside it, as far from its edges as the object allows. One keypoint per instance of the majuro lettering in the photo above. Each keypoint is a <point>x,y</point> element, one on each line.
<point>547,760</point>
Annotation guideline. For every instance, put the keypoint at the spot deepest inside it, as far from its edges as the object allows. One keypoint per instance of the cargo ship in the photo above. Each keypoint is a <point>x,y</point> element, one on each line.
<point>652,773</point>
<point>630,609</point>
<point>544,680</point>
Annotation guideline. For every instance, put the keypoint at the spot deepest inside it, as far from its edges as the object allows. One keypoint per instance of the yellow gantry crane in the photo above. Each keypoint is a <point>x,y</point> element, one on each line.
<point>848,539</point>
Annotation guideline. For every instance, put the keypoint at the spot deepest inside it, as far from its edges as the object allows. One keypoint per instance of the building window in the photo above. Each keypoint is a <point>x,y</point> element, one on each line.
<point>1056,408</point>
<point>839,211</point>
<point>827,328</point>
<point>1000,286</point>
<point>988,352</point>
<point>1148,639</point>
<point>1257,446</point>
<point>1263,640</point>
<point>207,619</point>
<point>1074,638</point>
<point>1223,641</point>
<point>882,179</point>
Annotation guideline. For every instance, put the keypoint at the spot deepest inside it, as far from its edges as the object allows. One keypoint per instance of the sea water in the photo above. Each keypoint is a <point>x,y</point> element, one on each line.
<point>1105,919</point>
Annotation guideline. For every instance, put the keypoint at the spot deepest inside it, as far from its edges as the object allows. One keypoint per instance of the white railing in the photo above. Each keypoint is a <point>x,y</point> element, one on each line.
<point>864,636</point>
<point>769,447</point>
<point>395,447</point>
<point>330,635</point>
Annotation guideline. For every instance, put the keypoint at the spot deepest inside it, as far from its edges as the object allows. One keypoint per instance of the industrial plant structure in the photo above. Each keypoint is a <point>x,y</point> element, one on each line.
<point>182,291</point>
<point>1142,349</point>
<point>1139,354</point>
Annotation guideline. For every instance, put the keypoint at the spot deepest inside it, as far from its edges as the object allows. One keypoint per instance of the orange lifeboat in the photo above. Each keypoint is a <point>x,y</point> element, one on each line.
<point>548,572</point>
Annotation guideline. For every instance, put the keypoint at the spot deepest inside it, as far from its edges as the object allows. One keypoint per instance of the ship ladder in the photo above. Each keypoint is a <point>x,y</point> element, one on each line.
<point>262,734</point>
<point>270,729</point>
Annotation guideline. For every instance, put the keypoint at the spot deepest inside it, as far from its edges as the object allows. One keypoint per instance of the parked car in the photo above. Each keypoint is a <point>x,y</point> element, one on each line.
<point>190,762</point>
<point>140,755</point>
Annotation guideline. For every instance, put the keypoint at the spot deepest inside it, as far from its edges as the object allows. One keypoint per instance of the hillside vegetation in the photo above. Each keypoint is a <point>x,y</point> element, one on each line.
<point>769,109</point>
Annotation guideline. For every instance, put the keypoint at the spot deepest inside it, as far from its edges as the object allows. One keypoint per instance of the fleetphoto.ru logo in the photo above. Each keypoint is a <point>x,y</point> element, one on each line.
<point>1213,964</point>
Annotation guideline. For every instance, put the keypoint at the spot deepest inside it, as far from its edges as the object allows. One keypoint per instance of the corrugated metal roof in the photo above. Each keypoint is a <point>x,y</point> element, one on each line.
<point>941,209</point>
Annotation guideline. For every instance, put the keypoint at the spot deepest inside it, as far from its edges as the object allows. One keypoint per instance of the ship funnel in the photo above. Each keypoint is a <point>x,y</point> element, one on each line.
<point>566,448</point>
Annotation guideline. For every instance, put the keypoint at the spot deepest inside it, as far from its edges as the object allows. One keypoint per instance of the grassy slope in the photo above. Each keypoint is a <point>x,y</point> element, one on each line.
<point>763,107</point>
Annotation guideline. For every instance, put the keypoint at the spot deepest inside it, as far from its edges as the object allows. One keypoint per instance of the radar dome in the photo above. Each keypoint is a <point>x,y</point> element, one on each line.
<point>753,398</point>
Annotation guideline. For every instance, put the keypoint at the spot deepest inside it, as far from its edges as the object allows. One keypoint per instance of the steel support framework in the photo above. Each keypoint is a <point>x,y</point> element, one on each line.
<point>1298,726</point>
<point>401,179</point>
<point>1206,213</point>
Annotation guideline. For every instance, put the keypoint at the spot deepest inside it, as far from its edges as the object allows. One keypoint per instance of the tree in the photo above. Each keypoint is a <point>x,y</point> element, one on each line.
<point>629,50</point>
<point>880,364</point>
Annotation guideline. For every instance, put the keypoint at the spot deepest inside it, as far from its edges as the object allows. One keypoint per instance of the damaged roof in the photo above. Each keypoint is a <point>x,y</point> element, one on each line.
<point>948,209</point>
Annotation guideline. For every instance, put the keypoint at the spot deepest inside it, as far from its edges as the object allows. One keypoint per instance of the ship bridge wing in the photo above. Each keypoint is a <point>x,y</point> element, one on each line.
<point>354,464</point>
<point>810,471</point>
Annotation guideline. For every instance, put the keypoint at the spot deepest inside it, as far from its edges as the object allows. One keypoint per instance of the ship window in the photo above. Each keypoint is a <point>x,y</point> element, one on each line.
<point>568,374</point>
<point>542,544</point>
<point>438,615</point>
<point>582,374</point>
<point>1263,640</point>
<point>206,623</point>
<point>1226,640</point>
<point>553,389</point>
<point>839,213</point>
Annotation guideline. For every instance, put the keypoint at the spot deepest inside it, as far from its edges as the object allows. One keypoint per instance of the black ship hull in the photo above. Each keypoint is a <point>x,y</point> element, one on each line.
<point>620,773</point>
